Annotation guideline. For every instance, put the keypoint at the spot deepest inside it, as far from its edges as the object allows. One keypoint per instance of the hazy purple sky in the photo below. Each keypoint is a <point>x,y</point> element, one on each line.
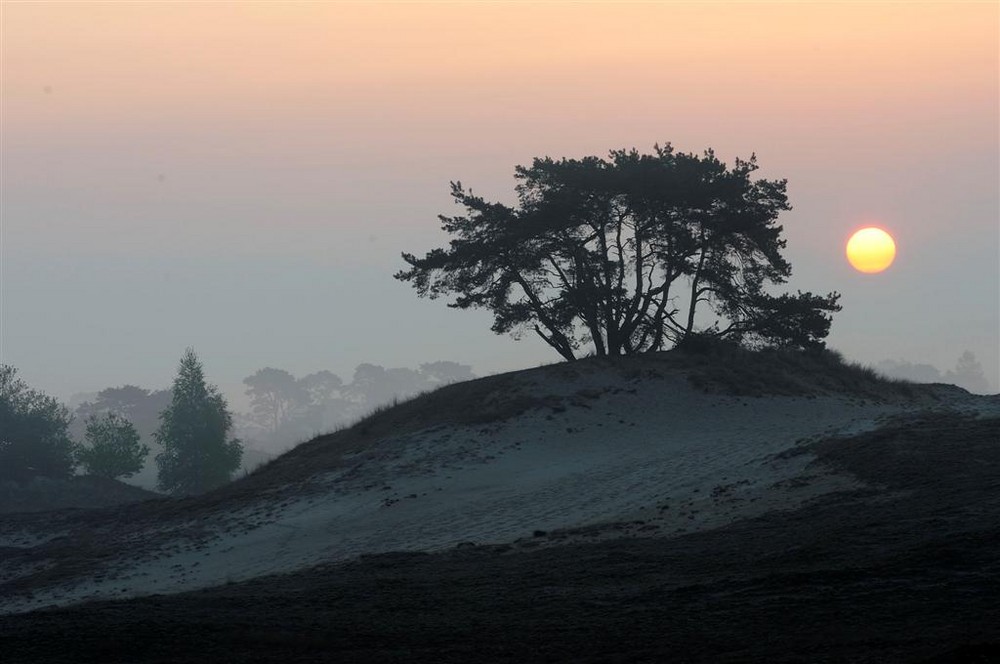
<point>241,177</point>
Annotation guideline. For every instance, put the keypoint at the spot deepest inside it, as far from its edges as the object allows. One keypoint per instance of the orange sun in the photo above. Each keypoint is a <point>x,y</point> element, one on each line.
<point>871,250</point>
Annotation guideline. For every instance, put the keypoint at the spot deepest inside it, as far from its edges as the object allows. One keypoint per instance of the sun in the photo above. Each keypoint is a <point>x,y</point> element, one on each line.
<point>871,250</point>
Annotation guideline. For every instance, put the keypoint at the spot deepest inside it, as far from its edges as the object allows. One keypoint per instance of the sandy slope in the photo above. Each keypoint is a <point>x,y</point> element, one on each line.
<point>649,452</point>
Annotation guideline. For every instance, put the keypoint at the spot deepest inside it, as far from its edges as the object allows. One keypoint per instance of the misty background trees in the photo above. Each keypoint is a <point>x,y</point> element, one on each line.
<point>285,409</point>
<point>623,255</point>
<point>967,374</point>
<point>116,427</point>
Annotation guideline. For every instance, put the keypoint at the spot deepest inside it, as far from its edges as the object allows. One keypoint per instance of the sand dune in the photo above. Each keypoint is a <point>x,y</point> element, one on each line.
<point>598,454</point>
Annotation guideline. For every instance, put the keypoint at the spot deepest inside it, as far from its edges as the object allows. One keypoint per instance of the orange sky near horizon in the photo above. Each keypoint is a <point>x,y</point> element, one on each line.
<point>76,67</point>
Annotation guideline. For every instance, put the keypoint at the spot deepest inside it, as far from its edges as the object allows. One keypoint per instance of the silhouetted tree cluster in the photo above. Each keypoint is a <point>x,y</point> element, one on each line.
<point>34,432</point>
<point>622,254</point>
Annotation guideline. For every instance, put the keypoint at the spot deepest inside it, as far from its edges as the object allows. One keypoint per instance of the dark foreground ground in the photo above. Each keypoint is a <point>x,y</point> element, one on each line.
<point>908,571</point>
<point>79,492</point>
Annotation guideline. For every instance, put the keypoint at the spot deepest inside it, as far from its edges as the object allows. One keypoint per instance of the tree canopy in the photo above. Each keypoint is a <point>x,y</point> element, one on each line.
<point>140,406</point>
<point>113,447</point>
<point>34,437</point>
<point>197,453</point>
<point>623,254</point>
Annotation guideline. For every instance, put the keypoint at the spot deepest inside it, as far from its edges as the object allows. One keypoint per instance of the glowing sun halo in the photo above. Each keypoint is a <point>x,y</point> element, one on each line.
<point>871,250</point>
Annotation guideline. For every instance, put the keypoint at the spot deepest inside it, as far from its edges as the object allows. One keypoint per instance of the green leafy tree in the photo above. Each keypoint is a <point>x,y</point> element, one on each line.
<point>622,254</point>
<point>113,448</point>
<point>141,407</point>
<point>197,453</point>
<point>34,438</point>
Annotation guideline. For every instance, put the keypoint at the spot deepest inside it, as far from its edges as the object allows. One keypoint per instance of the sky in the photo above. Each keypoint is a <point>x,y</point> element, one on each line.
<point>241,178</point>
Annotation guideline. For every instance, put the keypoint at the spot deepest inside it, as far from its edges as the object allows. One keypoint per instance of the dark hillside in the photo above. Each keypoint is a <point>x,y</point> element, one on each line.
<point>905,572</point>
<point>81,492</point>
<point>713,367</point>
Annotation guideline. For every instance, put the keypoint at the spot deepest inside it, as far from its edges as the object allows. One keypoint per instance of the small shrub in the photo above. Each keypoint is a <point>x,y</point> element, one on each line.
<point>113,449</point>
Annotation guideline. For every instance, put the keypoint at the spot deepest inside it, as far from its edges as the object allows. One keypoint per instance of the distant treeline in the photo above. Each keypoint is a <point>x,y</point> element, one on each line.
<point>284,409</point>
<point>188,426</point>
<point>967,374</point>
